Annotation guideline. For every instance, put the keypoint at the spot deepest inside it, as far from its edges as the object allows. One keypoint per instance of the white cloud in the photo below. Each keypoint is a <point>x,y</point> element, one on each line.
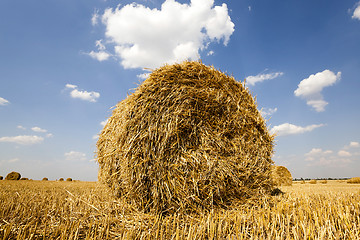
<point>100,45</point>
<point>101,54</point>
<point>72,86</point>
<point>262,77</point>
<point>23,139</point>
<point>3,101</point>
<point>75,156</point>
<point>83,95</point>
<point>210,53</point>
<point>356,14</point>
<point>37,129</point>
<point>320,157</point>
<point>316,153</point>
<point>329,158</point>
<point>249,7</point>
<point>103,123</point>
<point>49,135</point>
<point>21,127</point>
<point>310,88</point>
<point>266,112</point>
<point>95,17</point>
<point>143,75</point>
<point>351,145</point>
<point>149,38</point>
<point>13,160</point>
<point>290,129</point>
<point>343,153</point>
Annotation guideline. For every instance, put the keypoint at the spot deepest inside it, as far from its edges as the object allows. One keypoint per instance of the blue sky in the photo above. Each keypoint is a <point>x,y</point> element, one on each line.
<point>64,64</point>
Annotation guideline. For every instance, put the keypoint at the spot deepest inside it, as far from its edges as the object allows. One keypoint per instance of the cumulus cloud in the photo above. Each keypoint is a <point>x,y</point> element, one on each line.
<point>21,127</point>
<point>3,101</point>
<point>266,112</point>
<point>310,88</point>
<point>356,14</point>
<point>72,86</point>
<point>354,145</point>
<point>83,95</point>
<point>101,54</point>
<point>291,129</point>
<point>37,129</point>
<point>75,156</point>
<point>315,153</point>
<point>343,153</point>
<point>148,38</point>
<point>320,157</point>
<point>143,76</point>
<point>262,77</point>
<point>23,139</point>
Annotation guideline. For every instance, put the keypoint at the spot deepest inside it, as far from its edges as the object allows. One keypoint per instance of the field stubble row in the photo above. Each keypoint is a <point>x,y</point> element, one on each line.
<point>86,210</point>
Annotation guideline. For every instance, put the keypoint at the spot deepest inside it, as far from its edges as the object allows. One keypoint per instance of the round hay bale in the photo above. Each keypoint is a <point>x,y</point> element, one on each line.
<point>61,179</point>
<point>45,179</point>
<point>1,177</point>
<point>69,179</point>
<point>281,176</point>
<point>313,181</point>
<point>190,137</point>
<point>13,176</point>
<point>354,180</point>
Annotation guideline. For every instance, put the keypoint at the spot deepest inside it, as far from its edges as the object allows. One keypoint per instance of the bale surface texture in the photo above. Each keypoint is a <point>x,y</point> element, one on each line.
<point>281,176</point>
<point>13,176</point>
<point>189,137</point>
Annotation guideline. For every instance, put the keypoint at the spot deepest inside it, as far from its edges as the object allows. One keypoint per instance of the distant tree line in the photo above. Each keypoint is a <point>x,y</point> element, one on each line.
<point>308,179</point>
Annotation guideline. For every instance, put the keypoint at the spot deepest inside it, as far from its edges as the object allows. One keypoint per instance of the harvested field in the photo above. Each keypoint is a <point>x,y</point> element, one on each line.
<point>85,210</point>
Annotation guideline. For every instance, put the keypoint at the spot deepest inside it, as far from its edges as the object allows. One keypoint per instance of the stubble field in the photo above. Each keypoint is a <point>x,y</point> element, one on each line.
<point>86,210</point>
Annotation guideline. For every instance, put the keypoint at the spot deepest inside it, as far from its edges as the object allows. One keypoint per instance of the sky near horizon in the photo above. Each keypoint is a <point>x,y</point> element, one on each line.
<point>65,64</point>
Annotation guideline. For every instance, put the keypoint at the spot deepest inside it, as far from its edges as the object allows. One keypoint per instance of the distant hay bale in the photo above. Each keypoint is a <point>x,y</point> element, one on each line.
<point>190,137</point>
<point>324,181</point>
<point>69,179</point>
<point>354,180</point>
<point>13,176</point>
<point>45,179</point>
<point>61,179</point>
<point>281,176</point>
<point>24,178</point>
<point>1,177</point>
<point>312,181</point>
